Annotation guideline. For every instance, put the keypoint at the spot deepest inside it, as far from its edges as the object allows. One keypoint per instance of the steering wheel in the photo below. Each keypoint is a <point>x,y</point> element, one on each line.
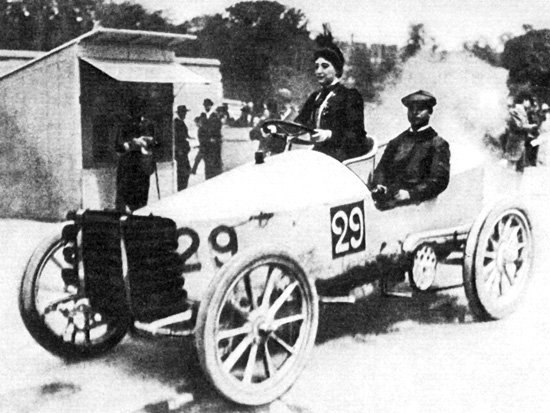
<point>291,130</point>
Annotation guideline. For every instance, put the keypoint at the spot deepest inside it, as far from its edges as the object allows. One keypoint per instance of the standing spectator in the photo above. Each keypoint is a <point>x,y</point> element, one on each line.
<point>535,117</point>
<point>242,121</point>
<point>518,129</point>
<point>210,140</point>
<point>543,140</point>
<point>182,147</point>
<point>136,164</point>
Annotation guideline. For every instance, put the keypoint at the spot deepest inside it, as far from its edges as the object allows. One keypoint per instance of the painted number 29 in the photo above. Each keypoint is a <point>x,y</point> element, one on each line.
<point>348,229</point>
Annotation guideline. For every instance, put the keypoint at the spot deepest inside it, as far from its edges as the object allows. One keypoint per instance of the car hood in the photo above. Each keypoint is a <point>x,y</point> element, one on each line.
<point>290,181</point>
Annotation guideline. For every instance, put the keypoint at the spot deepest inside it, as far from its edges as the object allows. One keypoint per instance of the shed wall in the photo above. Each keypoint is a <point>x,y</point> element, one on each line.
<point>40,145</point>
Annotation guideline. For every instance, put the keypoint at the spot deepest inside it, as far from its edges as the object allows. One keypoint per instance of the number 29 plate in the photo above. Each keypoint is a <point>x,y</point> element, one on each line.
<point>347,225</point>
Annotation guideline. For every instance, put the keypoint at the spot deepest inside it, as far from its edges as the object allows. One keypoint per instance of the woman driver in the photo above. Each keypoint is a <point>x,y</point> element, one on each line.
<point>334,111</point>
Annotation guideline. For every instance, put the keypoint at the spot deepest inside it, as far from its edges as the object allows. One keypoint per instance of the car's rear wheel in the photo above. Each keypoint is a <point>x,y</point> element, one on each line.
<point>498,261</point>
<point>256,326</point>
<point>57,313</point>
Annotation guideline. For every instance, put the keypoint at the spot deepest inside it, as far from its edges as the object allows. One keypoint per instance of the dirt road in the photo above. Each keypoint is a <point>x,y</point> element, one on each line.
<point>380,355</point>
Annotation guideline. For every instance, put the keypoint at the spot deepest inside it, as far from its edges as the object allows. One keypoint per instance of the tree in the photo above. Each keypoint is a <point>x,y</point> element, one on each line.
<point>132,16</point>
<point>251,40</point>
<point>361,72</point>
<point>417,39</point>
<point>483,51</point>
<point>527,58</point>
<point>44,24</point>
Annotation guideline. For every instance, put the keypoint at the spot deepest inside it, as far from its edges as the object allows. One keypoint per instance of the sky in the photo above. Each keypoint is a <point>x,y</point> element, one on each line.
<point>450,22</point>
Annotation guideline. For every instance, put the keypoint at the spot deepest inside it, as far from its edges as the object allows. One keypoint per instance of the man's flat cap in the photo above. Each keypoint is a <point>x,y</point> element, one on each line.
<point>420,96</point>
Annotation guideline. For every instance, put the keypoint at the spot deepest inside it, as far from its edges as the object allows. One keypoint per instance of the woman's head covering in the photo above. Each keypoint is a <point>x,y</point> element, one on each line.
<point>334,55</point>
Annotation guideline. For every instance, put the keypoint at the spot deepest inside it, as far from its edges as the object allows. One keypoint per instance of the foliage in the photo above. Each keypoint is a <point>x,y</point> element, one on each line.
<point>483,51</point>
<point>527,57</point>
<point>417,39</point>
<point>361,71</point>
<point>368,71</point>
<point>44,24</point>
<point>132,16</point>
<point>250,40</point>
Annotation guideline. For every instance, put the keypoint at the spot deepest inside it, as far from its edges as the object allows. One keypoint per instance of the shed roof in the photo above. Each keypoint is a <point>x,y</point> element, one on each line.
<point>146,72</point>
<point>103,35</point>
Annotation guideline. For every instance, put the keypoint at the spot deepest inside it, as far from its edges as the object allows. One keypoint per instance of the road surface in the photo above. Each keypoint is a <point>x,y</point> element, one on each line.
<point>380,355</point>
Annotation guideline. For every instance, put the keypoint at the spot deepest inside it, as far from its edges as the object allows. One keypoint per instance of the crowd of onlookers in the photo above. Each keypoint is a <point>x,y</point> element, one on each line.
<point>526,141</point>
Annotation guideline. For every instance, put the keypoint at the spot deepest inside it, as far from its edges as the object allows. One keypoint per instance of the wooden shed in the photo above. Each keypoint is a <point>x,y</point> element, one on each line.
<point>59,114</point>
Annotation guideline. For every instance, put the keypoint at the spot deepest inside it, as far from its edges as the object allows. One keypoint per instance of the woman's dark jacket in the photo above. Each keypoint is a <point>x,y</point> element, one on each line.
<point>343,114</point>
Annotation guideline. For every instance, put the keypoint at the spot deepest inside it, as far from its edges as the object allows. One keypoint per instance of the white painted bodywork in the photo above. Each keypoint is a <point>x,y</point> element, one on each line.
<point>297,191</point>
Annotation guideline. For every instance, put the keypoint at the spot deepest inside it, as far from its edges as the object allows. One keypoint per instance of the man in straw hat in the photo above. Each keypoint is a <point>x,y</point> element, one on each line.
<point>415,165</point>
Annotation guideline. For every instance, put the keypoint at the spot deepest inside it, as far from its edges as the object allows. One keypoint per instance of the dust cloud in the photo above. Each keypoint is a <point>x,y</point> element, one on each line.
<point>471,101</point>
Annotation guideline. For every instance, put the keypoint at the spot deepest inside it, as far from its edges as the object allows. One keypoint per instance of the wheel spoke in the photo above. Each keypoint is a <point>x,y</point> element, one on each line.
<point>282,343</point>
<point>53,306</point>
<point>57,262</point>
<point>250,364</point>
<point>234,332</point>
<point>505,235</point>
<point>500,228</point>
<point>268,361</point>
<point>491,277</point>
<point>249,292</point>
<point>494,241</point>
<point>281,299</point>
<point>74,332</point>
<point>237,353</point>
<point>490,254</point>
<point>287,320</point>
<point>488,269</point>
<point>510,270</point>
<point>272,276</point>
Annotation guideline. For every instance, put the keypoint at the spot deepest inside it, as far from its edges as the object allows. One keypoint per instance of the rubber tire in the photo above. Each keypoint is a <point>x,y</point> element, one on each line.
<point>205,341</point>
<point>480,231</point>
<point>33,320</point>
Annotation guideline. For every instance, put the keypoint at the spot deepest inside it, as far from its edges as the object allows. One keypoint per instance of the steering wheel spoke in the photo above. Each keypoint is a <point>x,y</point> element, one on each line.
<point>293,132</point>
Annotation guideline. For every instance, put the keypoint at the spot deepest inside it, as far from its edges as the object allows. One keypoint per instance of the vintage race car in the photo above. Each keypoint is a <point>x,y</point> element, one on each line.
<point>242,261</point>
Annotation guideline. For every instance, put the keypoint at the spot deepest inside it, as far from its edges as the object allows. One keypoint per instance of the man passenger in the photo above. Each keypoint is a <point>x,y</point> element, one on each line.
<point>415,165</point>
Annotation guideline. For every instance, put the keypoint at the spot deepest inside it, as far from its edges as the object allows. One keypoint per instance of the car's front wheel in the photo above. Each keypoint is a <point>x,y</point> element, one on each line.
<point>256,326</point>
<point>56,311</point>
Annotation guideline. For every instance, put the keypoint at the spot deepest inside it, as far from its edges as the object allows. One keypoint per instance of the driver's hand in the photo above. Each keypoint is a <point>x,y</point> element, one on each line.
<point>268,130</point>
<point>140,142</point>
<point>380,189</point>
<point>402,195</point>
<point>321,135</point>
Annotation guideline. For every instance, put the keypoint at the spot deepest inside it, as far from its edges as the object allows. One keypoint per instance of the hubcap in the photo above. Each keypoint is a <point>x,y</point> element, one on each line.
<point>424,267</point>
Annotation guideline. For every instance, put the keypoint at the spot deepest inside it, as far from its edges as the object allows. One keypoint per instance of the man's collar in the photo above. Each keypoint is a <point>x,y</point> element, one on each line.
<point>422,129</point>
